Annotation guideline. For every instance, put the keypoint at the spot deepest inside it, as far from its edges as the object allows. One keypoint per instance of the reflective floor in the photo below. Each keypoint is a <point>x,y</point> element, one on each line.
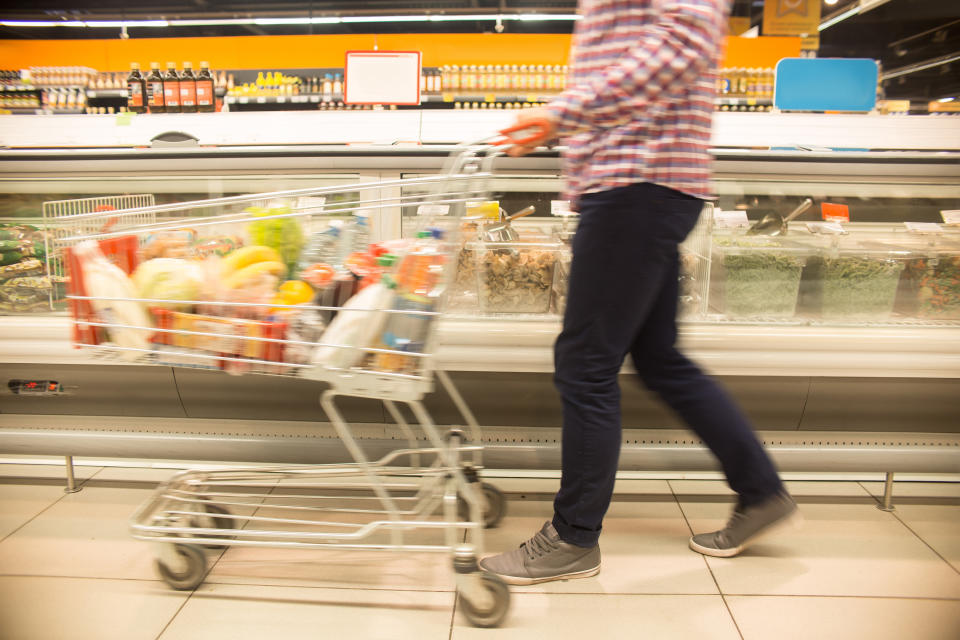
<point>69,569</point>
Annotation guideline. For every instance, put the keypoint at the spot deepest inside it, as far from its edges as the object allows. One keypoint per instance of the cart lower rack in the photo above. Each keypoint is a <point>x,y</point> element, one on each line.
<point>253,284</point>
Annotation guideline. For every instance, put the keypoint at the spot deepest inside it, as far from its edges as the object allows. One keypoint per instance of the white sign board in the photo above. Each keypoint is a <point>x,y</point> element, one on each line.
<point>382,77</point>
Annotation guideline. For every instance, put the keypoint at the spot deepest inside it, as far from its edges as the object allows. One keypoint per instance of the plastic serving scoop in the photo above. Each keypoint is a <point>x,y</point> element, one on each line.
<point>773,224</point>
<point>502,231</point>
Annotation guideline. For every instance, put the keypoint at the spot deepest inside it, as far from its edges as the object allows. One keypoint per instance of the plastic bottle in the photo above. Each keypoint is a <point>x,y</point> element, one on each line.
<point>154,85</point>
<point>136,90</point>
<point>206,101</point>
<point>188,89</point>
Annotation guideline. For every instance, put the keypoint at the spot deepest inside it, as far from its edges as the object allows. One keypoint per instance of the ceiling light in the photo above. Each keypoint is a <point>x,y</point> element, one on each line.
<point>96,24</point>
<point>840,17</point>
<point>946,99</point>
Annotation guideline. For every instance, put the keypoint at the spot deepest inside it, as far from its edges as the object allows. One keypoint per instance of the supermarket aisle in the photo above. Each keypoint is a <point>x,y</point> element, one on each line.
<point>69,569</point>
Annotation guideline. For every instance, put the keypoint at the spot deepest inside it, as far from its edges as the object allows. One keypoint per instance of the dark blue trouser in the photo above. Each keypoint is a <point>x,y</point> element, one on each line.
<point>623,299</point>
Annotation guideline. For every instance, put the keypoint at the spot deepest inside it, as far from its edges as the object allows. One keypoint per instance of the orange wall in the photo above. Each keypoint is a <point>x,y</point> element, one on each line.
<point>310,51</point>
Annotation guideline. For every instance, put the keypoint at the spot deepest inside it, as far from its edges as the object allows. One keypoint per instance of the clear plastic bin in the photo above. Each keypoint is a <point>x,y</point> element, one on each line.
<point>756,276</point>
<point>856,279</point>
<point>516,277</point>
<point>930,284</point>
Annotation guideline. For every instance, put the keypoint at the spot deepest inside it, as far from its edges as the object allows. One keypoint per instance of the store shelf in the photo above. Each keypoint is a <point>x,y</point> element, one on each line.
<point>121,94</point>
<point>744,102</point>
<point>309,98</point>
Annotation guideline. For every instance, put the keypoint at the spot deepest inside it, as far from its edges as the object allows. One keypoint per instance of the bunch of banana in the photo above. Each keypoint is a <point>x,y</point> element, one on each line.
<point>248,264</point>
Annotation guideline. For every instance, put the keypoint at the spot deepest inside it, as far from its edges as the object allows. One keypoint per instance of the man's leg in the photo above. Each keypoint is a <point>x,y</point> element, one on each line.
<point>624,249</point>
<point>620,256</point>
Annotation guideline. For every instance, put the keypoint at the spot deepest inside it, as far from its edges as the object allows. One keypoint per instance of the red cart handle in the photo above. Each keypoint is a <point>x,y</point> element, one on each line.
<point>540,128</point>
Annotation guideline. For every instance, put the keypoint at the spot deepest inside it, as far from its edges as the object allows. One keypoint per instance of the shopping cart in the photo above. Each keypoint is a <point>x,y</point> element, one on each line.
<point>432,484</point>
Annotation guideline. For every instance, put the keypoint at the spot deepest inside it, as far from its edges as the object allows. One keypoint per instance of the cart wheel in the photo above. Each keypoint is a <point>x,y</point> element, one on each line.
<point>494,615</point>
<point>218,523</point>
<point>496,506</point>
<point>190,577</point>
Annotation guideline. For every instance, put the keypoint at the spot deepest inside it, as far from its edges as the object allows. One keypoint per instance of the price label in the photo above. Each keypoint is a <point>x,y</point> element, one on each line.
<point>826,228</point>
<point>281,99</point>
<point>730,219</point>
<point>433,210</point>
<point>560,208</point>
<point>923,227</point>
<point>533,98</point>
<point>261,100</point>
<point>490,98</point>
<point>91,94</point>
<point>244,100</point>
<point>314,98</point>
<point>834,212</point>
<point>448,97</point>
<point>951,216</point>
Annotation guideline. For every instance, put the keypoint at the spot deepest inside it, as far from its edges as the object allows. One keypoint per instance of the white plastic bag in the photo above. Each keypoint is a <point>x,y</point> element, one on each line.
<point>358,324</point>
<point>103,279</point>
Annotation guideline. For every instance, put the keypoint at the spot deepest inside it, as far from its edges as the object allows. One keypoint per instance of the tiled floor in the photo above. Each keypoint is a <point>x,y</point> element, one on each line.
<point>69,569</point>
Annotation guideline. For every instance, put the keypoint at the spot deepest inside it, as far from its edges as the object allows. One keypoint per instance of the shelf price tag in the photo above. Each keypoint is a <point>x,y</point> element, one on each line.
<point>560,208</point>
<point>261,100</point>
<point>314,98</point>
<point>433,210</point>
<point>730,219</point>
<point>490,98</point>
<point>448,97</point>
<point>281,99</point>
<point>834,212</point>
<point>826,228</point>
<point>244,100</point>
<point>951,216</point>
<point>923,227</point>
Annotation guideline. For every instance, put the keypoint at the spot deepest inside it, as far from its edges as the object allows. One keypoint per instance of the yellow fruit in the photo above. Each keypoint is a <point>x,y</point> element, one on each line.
<point>296,291</point>
<point>252,272</point>
<point>246,256</point>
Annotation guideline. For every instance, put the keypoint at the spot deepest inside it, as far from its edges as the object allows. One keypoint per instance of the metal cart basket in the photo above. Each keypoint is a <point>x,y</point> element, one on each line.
<point>432,484</point>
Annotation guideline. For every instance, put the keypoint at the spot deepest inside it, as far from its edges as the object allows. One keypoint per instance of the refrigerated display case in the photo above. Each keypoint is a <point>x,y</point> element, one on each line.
<point>773,321</point>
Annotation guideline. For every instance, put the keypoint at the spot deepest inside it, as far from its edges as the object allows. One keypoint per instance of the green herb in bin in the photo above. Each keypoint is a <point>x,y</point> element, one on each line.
<point>760,279</point>
<point>855,286</point>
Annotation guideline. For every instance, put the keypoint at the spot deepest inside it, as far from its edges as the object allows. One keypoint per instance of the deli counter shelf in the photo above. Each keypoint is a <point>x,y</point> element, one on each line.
<point>897,373</point>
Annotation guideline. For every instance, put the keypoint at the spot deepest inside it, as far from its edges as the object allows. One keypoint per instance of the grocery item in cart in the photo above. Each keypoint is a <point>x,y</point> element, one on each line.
<point>113,298</point>
<point>284,235</point>
<point>169,279</point>
<point>355,328</point>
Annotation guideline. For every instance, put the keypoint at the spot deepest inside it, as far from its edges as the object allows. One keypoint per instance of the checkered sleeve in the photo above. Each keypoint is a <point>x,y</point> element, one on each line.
<point>682,41</point>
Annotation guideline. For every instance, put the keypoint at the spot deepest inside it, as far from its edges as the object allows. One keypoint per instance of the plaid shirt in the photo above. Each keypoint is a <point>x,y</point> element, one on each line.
<point>639,101</point>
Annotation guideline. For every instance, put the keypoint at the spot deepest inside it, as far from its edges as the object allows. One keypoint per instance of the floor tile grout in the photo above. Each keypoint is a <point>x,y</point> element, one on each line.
<point>63,494</point>
<point>726,605</point>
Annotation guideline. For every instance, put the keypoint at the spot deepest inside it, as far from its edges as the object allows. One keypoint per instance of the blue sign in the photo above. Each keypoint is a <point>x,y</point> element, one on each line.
<point>826,84</point>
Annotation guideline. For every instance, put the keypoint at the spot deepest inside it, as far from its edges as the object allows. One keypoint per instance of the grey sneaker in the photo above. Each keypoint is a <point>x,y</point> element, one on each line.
<point>745,526</point>
<point>544,557</point>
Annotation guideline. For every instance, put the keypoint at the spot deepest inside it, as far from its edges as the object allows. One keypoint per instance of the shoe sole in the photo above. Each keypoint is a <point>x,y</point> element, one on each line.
<point>519,581</point>
<point>793,521</point>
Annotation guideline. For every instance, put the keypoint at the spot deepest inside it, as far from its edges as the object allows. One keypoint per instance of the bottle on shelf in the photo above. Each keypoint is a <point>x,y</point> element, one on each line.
<point>338,85</point>
<point>206,100</point>
<point>188,89</point>
<point>171,89</point>
<point>154,85</point>
<point>327,88</point>
<point>136,89</point>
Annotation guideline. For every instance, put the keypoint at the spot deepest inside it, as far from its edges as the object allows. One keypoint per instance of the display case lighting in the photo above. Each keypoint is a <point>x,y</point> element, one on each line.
<point>97,24</point>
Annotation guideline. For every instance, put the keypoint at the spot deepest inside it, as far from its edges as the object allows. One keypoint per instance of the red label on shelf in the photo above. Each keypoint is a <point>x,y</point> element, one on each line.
<point>834,212</point>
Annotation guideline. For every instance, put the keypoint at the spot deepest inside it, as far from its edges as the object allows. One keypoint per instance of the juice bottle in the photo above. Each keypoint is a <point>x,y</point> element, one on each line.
<point>206,101</point>
<point>188,89</point>
<point>154,83</point>
<point>171,89</point>
<point>136,89</point>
